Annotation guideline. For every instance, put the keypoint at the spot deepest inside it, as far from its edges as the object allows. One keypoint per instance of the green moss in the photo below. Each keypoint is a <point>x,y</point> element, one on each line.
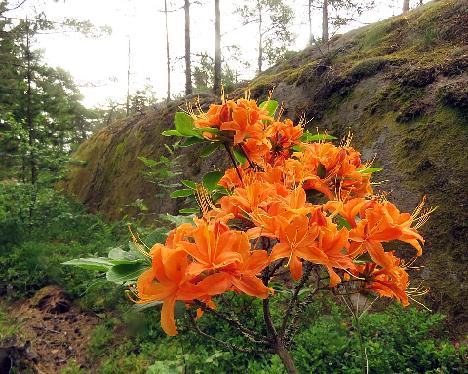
<point>454,95</point>
<point>431,156</point>
<point>368,67</point>
<point>377,34</point>
<point>119,150</point>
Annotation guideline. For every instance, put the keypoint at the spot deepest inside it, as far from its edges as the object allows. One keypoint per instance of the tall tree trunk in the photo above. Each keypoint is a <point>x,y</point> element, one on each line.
<point>217,61</point>
<point>29,119</point>
<point>325,21</point>
<point>128,79</point>
<point>30,124</point>
<point>168,54</point>
<point>188,67</point>
<point>260,37</point>
<point>405,6</point>
<point>311,37</point>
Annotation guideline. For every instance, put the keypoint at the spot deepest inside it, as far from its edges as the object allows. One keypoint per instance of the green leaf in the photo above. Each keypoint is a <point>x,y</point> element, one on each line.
<point>179,309</point>
<point>211,179</point>
<point>209,149</point>
<point>189,211</point>
<point>369,170</point>
<point>297,148</point>
<point>134,250</point>
<point>171,133</point>
<point>158,235</point>
<point>184,125</point>
<point>189,184</point>
<point>176,220</point>
<point>181,193</point>
<point>211,130</point>
<point>342,223</point>
<point>219,193</point>
<point>98,263</point>
<point>365,257</point>
<point>125,272</point>
<point>148,162</point>
<point>270,106</point>
<point>119,254</point>
<point>191,141</point>
<point>216,196</point>
<point>239,156</point>
<point>140,307</point>
<point>321,171</point>
<point>308,137</point>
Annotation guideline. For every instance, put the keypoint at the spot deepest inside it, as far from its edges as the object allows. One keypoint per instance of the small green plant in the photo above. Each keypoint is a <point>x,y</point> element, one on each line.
<point>9,328</point>
<point>101,338</point>
<point>164,170</point>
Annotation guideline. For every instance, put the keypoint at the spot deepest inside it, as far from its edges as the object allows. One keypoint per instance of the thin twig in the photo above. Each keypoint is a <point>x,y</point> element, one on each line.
<point>231,156</point>
<point>271,272</point>
<point>227,345</point>
<point>266,306</point>
<point>294,298</point>
<point>252,165</point>
<point>292,327</point>
<point>253,336</point>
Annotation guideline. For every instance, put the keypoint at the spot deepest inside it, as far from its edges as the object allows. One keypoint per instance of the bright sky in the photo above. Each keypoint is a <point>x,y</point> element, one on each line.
<point>103,61</point>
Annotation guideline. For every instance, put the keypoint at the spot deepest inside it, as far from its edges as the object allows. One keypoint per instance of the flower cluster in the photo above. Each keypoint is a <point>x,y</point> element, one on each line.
<point>295,198</point>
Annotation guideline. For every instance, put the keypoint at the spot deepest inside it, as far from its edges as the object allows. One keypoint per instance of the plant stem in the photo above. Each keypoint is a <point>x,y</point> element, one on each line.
<point>361,345</point>
<point>286,359</point>
<point>276,340</point>
<point>231,157</point>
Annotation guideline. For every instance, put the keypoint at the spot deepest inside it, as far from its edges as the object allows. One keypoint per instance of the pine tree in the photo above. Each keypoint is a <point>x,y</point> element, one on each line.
<point>188,61</point>
<point>217,60</point>
<point>273,19</point>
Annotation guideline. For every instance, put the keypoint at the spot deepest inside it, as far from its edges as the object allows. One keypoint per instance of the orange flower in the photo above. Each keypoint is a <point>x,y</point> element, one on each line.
<point>243,275</point>
<point>283,135</point>
<point>216,115</point>
<point>334,244</point>
<point>348,210</point>
<point>231,179</point>
<point>246,121</point>
<point>246,199</point>
<point>391,282</point>
<point>258,151</point>
<point>166,281</point>
<point>332,171</point>
<point>269,219</point>
<point>296,242</point>
<point>382,222</point>
<point>215,247</point>
<point>268,203</point>
<point>179,234</point>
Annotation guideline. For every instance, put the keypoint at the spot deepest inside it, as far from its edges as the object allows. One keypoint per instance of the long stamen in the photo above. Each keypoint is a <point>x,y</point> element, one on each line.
<point>138,246</point>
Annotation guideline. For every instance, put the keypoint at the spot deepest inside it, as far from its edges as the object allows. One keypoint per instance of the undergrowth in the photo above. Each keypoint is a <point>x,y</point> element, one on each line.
<point>125,341</point>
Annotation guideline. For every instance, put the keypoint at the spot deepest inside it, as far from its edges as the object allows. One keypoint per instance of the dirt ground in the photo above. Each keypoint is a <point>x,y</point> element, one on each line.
<point>52,332</point>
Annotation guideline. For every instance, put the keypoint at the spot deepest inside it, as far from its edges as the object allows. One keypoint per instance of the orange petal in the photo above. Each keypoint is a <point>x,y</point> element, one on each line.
<point>280,250</point>
<point>295,267</point>
<point>167,317</point>
<point>215,284</point>
<point>334,278</point>
<point>251,286</point>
